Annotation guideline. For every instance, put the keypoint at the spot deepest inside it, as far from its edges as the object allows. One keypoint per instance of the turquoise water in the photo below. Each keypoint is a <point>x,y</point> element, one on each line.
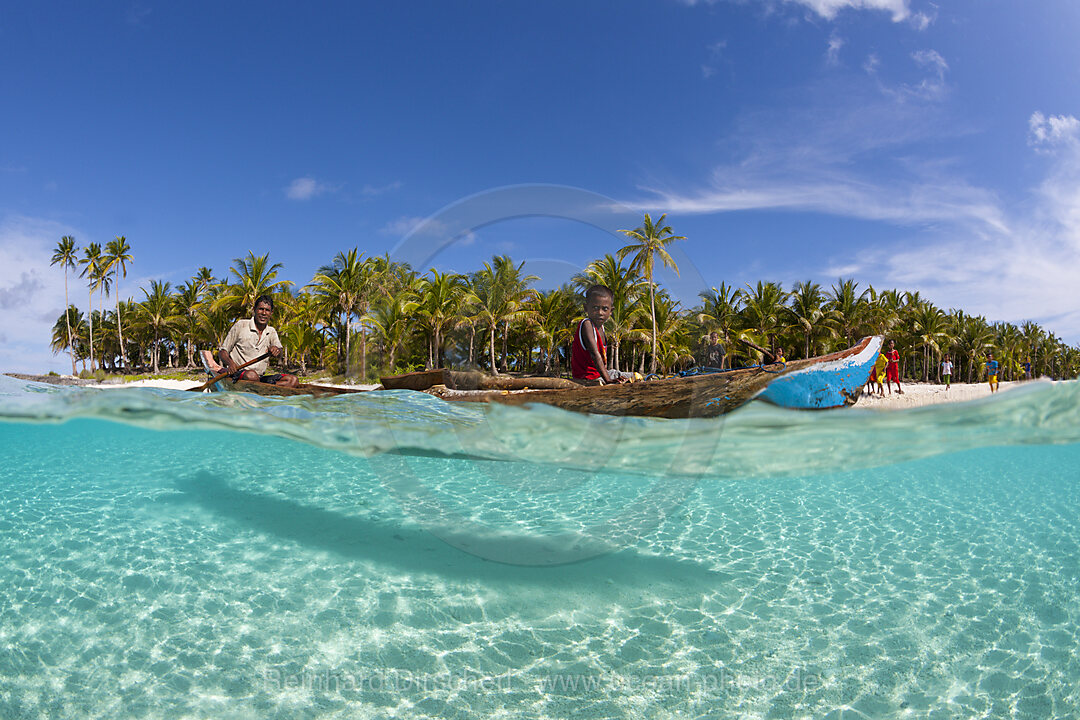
<point>180,556</point>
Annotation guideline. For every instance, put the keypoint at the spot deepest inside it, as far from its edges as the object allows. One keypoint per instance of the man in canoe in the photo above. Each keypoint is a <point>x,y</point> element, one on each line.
<point>250,338</point>
<point>588,352</point>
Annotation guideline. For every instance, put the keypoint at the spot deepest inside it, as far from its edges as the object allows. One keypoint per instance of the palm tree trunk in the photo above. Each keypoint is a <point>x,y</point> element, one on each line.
<point>348,345</point>
<point>119,328</point>
<point>652,313</point>
<point>67,319</point>
<point>491,349</point>
<point>90,296</point>
<point>363,353</point>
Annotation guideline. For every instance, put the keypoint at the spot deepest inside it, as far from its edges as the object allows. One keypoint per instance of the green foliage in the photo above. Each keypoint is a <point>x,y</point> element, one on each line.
<point>356,307</point>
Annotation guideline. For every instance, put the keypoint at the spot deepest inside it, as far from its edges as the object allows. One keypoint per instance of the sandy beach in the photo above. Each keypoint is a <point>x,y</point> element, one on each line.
<point>923,394</point>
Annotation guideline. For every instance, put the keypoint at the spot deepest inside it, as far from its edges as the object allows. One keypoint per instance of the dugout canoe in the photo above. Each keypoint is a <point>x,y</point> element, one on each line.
<point>805,384</point>
<point>813,383</point>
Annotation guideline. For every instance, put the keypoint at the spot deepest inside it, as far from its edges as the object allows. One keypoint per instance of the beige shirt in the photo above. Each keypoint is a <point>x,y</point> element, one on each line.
<point>244,342</point>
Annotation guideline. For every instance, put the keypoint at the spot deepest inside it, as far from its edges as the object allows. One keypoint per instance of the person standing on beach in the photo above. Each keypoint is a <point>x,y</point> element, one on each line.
<point>946,371</point>
<point>248,339</point>
<point>714,352</point>
<point>892,370</point>
<point>588,352</point>
<point>1027,369</point>
<point>992,371</point>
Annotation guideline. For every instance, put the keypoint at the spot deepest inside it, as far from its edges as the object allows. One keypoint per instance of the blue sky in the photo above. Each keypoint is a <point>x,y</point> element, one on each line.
<point>926,146</point>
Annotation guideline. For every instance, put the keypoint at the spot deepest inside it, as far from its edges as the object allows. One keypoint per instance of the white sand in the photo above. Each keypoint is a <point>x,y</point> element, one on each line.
<point>921,394</point>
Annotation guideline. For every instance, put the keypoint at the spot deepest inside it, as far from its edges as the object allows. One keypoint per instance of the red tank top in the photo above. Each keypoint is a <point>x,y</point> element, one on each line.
<point>581,362</point>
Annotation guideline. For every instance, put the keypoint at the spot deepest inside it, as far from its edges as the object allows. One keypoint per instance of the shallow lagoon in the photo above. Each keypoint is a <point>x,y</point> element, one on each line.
<point>161,560</point>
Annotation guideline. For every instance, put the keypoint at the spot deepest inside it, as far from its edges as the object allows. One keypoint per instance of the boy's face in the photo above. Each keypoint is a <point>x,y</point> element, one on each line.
<point>598,309</point>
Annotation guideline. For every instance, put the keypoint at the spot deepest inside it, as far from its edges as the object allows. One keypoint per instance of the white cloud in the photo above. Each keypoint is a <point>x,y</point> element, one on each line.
<point>376,190</point>
<point>933,85</point>
<point>1046,132</point>
<point>832,54</point>
<point>305,188</point>
<point>828,9</point>
<point>920,21</point>
<point>32,294</point>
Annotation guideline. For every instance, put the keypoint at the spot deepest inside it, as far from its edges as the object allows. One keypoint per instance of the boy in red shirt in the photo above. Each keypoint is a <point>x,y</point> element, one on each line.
<point>588,352</point>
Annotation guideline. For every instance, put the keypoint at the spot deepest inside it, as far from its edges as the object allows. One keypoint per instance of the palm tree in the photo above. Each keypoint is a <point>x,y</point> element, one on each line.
<point>391,317</point>
<point>650,240</point>
<point>763,310</point>
<point>65,332</point>
<point>808,311</point>
<point>254,276</point>
<point>158,314</point>
<point>189,298</point>
<point>117,256</point>
<point>439,308</point>
<point>91,261</point>
<point>499,293</point>
<point>553,320</point>
<point>848,306</point>
<point>65,257</point>
<point>339,287</point>
<point>930,329</point>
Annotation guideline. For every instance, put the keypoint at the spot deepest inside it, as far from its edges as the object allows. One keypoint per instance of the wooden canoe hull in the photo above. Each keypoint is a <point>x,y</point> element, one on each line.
<point>697,396</point>
<point>259,388</point>
<point>833,381</point>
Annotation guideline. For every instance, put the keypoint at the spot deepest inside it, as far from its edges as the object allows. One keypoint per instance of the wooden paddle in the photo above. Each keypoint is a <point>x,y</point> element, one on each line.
<point>214,379</point>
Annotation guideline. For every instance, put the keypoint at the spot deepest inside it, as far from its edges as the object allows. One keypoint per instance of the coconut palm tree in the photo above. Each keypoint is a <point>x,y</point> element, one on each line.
<point>764,310</point>
<point>158,315</point>
<point>439,308</point>
<point>553,319</point>
<point>117,256</point>
<point>65,256</point>
<point>90,261</point>
<point>189,297</point>
<point>391,317</point>
<point>499,294</point>
<point>338,288</point>
<point>649,241</point>
<point>849,308</point>
<point>254,276</point>
<point>65,332</point>
<point>930,329</point>
<point>808,313</point>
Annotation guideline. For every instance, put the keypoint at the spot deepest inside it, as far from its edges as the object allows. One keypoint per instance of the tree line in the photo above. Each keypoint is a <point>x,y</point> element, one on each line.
<point>360,317</point>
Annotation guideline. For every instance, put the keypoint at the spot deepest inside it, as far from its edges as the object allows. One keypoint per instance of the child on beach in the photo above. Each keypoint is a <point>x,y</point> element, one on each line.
<point>946,371</point>
<point>892,370</point>
<point>878,373</point>
<point>992,371</point>
<point>588,352</point>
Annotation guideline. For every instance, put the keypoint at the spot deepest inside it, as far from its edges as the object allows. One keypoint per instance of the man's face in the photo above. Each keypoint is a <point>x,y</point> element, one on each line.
<point>262,313</point>
<point>598,309</point>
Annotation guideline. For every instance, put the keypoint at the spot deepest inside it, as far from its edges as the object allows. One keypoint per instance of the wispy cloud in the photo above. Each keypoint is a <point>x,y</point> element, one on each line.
<point>31,293</point>
<point>828,9</point>
<point>376,190</point>
<point>832,54</point>
<point>305,188</point>
<point>1047,133</point>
